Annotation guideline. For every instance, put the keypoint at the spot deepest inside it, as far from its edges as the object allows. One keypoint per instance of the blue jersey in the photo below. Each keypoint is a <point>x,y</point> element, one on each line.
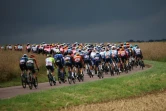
<point>23,60</point>
<point>97,57</point>
<point>59,58</point>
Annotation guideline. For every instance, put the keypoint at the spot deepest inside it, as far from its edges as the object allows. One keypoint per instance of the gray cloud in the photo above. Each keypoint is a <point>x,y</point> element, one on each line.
<point>150,27</point>
<point>83,21</point>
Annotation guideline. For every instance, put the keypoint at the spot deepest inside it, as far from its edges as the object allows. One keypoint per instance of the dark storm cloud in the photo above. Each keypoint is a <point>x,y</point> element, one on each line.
<point>81,20</point>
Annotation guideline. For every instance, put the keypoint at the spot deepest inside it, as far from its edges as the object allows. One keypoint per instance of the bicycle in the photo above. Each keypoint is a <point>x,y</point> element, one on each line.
<point>79,76</point>
<point>88,70</point>
<point>140,62</point>
<point>24,81</point>
<point>100,72</point>
<point>61,76</point>
<point>116,69</point>
<point>51,78</point>
<point>71,78</point>
<point>32,81</point>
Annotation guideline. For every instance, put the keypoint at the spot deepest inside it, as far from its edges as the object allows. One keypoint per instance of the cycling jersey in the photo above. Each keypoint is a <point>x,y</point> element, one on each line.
<point>77,59</point>
<point>67,59</point>
<point>30,62</point>
<point>102,55</point>
<point>107,55</point>
<point>114,53</point>
<point>50,61</point>
<point>137,51</point>
<point>59,58</point>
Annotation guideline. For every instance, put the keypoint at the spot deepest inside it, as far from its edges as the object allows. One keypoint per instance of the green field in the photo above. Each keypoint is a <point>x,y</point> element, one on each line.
<point>140,83</point>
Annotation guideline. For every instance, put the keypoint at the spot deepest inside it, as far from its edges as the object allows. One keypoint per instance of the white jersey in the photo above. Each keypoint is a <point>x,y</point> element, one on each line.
<point>92,54</point>
<point>19,47</point>
<point>102,54</point>
<point>41,47</point>
<point>55,49</point>
<point>48,62</point>
<point>10,47</point>
<point>138,51</point>
<point>34,48</point>
<point>28,47</point>
<point>114,53</point>
<point>107,54</point>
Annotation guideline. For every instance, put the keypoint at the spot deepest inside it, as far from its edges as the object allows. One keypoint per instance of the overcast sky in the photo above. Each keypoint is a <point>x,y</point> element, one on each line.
<point>35,21</point>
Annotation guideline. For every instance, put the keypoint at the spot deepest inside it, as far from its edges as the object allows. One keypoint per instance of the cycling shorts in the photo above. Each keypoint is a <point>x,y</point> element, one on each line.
<point>78,64</point>
<point>123,58</point>
<point>68,64</point>
<point>31,68</point>
<point>115,59</point>
<point>88,62</point>
<point>108,60</point>
<point>96,63</point>
<point>59,64</point>
<point>50,68</point>
<point>23,67</point>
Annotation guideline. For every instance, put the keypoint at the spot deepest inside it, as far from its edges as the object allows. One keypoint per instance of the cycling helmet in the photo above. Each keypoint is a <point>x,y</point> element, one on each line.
<point>77,54</point>
<point>48,55</point>
<point>58,52</point>
<point>25,55</point>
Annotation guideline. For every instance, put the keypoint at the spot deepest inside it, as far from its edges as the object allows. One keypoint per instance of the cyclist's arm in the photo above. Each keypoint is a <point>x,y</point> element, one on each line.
<point>36,64</point>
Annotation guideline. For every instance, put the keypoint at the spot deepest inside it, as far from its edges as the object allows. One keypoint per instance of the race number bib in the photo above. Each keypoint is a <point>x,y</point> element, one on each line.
<point>77,59</point>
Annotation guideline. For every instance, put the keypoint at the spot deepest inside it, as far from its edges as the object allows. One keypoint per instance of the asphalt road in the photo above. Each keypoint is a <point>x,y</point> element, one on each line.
<point>10,92</point>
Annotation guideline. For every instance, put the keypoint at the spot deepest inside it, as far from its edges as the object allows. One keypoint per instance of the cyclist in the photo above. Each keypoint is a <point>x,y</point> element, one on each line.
<point>97,61</point>
<point>78,62</point>
<point>22,63</point>
<point>31,65</point>
<point>87,61</point>
<point>108,60</point>
<point>123,56</point>
<point>59,61</point>
<point>138,53</point>
<point>114,57</point>
<point>50,61</point>
<point>68,60</point>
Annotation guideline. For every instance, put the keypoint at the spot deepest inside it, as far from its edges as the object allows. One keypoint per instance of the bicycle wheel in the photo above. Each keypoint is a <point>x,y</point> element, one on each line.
<point>50,79</point>
<point>35,82</point>
<point>74,80</point>
<point>23,81</point>
<point>111,71</point>
<point>30,81</point>
<point>141,64</point>
<point>70,78</point>
<point>82,77</point>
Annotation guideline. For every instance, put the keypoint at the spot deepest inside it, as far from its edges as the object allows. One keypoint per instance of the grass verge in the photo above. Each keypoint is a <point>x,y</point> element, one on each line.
<point>140,83</point>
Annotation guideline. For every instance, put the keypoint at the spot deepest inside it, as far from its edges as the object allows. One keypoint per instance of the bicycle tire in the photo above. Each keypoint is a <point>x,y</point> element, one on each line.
<point>50,77</point>
<point>23,81</point>
<point>30,81</point>
<point>35,83</point>
<point>69,80</point>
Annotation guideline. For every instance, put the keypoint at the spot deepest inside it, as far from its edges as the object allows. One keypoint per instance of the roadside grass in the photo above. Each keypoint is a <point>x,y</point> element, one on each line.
<point>108,89</point>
